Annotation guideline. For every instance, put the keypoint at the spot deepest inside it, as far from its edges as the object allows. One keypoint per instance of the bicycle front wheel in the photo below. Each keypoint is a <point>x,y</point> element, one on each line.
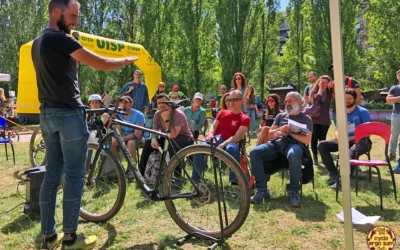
<point>201,214</point>
<point>37,148</point>
<point>104,193</point>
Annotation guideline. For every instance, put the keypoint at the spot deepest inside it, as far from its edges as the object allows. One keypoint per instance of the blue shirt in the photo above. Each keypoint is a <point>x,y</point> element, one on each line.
<point>139,95</point>
<point>136,118</point>
<point>395,91</point>
<point>359,116</point>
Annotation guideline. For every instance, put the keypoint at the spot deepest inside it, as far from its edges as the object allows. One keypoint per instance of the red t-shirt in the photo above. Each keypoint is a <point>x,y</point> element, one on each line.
<point>229,123</point>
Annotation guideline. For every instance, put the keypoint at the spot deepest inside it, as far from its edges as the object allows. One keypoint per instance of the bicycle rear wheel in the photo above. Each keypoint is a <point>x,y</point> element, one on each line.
<point>13,136</point>
<point>201,214</point>
<point>104,194</point>
<point>37,148</point>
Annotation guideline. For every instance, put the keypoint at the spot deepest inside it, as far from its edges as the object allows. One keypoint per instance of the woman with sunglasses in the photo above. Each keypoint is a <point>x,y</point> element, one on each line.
<point>160,89</point>
<point>268,118</point>
<point>176,97</point>
<point>223,106</point>
<point>251,107</point>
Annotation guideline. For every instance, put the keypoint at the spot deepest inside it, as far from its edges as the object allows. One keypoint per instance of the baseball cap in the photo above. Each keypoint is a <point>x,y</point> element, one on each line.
<point>198,95</point>
<point>126,98</point>
<point>94,97</point>
<point>175,88</point>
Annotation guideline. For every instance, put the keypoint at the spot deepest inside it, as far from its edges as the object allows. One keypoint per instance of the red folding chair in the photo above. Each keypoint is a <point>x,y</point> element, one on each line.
<point>382,130</point>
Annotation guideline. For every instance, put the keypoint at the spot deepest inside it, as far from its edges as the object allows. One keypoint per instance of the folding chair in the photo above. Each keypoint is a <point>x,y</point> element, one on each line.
<point>3,139</point>
<point>382,130</point>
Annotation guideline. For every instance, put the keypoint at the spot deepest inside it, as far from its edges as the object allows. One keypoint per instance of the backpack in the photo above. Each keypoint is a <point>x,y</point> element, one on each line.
<point>153,167</point>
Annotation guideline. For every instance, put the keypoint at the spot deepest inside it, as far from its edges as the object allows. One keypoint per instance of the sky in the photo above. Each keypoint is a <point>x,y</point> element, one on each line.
<point>284,4</point>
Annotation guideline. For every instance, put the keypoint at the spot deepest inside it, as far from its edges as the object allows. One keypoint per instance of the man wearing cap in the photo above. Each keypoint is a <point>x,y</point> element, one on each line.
<point>349,82</point>
<point>175,88</point>
<point>132,137</point>
<point>229,127</point>
<point>195,114</point>
<point>137,91</point>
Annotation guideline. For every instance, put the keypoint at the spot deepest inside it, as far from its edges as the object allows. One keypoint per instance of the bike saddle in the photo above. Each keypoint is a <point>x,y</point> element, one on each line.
<point>176,104</point>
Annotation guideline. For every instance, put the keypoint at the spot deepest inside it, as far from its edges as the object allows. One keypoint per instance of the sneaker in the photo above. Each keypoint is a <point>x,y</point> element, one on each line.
<point>392,157</point>
<point>294,199</point>
<point>335,184</point>
<point>315,161</point>
<point>83,243</point>
<point>260,196</point>
<point>54,244</point>
<point>332,180</point>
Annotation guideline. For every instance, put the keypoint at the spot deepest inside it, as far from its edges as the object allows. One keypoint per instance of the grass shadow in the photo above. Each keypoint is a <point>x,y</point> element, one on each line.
<point>169,242</point>
<point>22,223</point>
<point>112,234</point>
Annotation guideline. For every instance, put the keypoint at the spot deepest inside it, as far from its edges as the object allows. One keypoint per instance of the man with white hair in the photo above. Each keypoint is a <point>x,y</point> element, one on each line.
<point>285,142</point>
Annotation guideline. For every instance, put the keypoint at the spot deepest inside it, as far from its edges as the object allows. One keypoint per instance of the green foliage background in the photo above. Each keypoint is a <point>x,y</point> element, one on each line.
<point>200,44</point>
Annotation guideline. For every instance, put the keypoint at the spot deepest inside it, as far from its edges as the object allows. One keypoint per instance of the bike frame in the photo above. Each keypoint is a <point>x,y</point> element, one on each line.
<point>151,192</point>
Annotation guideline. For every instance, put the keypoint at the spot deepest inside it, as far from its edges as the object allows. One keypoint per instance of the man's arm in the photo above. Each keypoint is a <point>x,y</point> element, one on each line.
<point>211,131</point>
<point>391,99</point>
<point>89,58</point>
<point>202,119</point>
<point>138,133</point>
<point>273,130</point>
<point>351,138</point>
<point>237,137</point>
<point>305,139</point>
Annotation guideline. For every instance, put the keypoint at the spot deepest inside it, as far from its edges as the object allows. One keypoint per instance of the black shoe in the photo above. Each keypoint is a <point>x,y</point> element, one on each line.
<point>332,180</point>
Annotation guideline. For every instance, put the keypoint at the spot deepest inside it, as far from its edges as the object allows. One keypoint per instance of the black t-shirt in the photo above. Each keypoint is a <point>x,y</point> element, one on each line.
<point>56,69</point>
<point>269,117</point>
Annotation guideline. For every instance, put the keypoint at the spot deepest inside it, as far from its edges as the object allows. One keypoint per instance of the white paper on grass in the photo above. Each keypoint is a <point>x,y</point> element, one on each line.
<point>359,218</point>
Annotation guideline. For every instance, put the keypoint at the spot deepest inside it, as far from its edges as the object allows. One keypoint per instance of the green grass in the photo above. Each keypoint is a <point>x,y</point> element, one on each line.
<point>144,224</point>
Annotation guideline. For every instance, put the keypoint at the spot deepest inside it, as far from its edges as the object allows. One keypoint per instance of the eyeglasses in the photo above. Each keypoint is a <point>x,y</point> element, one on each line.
<point>270,100</point>
<point>233,99</point>
<point>238,78</point>
<point>123,101</point>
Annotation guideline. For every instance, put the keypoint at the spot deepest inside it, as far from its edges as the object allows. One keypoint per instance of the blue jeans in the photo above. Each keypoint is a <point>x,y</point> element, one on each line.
<point>199,160</point>
<point>66,134</point>
<point>395,124</point>
<point>270,151</point>
<point>252,116</point>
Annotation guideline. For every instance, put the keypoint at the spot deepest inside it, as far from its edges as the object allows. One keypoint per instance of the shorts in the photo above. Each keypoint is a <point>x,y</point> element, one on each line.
<point>138,142</point>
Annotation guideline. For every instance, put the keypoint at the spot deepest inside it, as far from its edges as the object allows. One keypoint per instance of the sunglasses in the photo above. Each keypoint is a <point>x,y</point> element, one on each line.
<point>233,99</point>
<point>123,101</point>
<point>238,78</point>
<point>161,86</point>
<point>175,97</point>
<point>270,100</point>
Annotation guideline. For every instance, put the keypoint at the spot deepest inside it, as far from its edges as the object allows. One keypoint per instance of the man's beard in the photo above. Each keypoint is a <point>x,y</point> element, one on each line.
<point>291,109</point>
<point>62,26</point>
<point>350,105</point>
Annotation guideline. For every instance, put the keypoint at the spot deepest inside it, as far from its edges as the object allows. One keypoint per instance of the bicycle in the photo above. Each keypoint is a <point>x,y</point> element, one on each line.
<point>208,208</point>
<point>37,148</point>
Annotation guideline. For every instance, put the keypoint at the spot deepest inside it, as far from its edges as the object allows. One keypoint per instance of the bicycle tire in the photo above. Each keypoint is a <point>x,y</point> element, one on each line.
<point>37,145</point>
<point>186,218</point>
<point>13,136</point>
<point>94,215</point>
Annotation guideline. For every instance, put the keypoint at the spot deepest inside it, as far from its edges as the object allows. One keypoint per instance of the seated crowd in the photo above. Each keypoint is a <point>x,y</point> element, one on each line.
<point>276,138</point>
